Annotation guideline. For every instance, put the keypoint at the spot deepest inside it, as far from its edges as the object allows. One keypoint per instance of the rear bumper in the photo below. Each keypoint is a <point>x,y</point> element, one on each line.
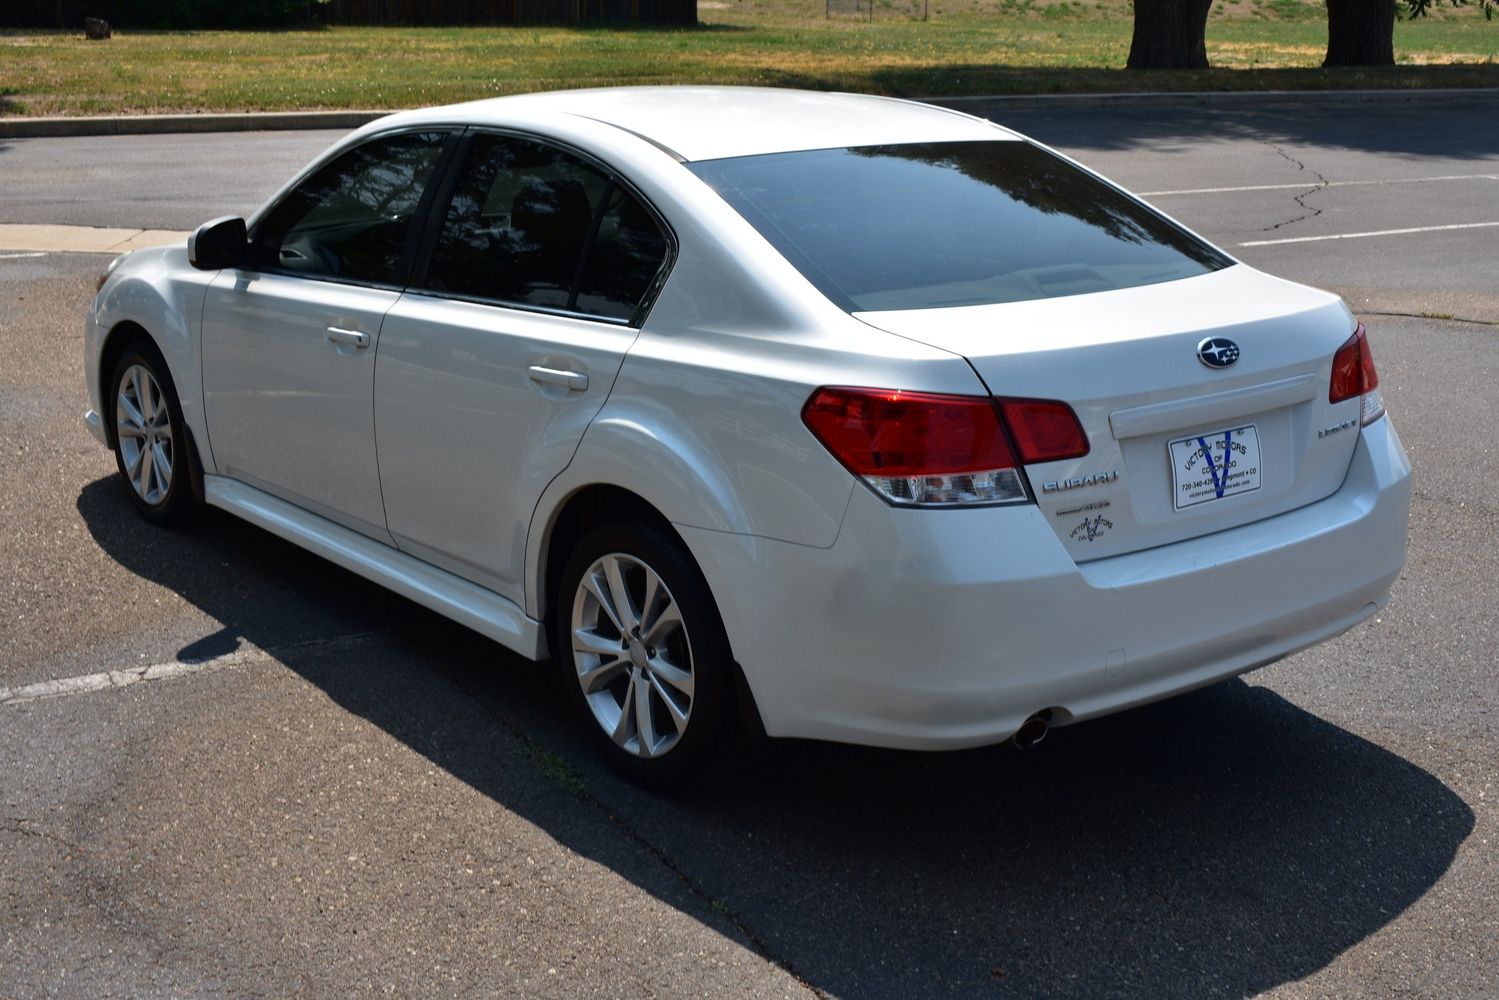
<point>947,629</point>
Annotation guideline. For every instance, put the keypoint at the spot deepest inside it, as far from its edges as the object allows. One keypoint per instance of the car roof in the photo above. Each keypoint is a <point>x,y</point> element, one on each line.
<point>706,123</point>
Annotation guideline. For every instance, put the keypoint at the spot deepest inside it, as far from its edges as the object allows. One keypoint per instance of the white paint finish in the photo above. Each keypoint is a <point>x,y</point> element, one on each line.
<point>468,440</point>
<point>20,256</point>
<point>162,294</point>
<point>1135,349</point>
<point>700,123</point>
<point>703,421</point>
<point>466,603</point>
<point>290,411</point>
<point>1378,232</point>
<point>1317,185</point>
<point>941,630</point>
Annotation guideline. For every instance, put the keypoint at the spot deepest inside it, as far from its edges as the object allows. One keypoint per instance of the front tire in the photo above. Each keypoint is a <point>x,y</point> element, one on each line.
<point>150,437</point>
<point>644,655</point>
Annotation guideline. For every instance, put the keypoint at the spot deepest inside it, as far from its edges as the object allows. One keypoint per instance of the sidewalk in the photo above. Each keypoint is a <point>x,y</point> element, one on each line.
<point>81,239</point>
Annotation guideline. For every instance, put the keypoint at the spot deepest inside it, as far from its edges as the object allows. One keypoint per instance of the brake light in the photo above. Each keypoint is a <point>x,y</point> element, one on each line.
<point>936,450</point>
<point>1353,375</point>
<point>1045,430</point>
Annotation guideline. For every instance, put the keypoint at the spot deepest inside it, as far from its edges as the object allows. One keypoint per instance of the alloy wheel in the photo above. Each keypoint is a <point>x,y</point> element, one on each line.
<point>143,425</point>
<point>632,655</point>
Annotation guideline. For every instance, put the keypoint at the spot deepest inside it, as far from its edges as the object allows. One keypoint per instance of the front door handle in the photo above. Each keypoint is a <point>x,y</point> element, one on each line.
<point>575,381</point>
<point>354,338</point>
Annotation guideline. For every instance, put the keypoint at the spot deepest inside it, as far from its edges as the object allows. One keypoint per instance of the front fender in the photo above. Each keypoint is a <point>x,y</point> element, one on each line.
<point>160,292</point>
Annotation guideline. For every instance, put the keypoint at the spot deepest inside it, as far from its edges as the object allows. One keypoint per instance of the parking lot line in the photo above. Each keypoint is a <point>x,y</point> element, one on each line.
<point>106,680</point>
<point>1329,184</point>
<point>1378,232</point>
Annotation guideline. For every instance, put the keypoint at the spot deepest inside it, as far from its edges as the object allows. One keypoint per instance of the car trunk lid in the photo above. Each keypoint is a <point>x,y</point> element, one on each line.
<point>1178,448</point>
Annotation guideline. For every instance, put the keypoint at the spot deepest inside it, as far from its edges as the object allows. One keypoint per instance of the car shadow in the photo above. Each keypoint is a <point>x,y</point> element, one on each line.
<point>1215,845</point>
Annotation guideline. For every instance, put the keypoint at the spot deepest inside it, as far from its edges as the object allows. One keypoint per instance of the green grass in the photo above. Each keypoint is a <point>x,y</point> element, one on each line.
<point>966,47</point>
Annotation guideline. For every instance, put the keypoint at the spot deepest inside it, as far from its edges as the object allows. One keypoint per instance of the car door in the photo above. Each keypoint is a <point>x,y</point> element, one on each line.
<point>492,364</point>
<point>289,341</point>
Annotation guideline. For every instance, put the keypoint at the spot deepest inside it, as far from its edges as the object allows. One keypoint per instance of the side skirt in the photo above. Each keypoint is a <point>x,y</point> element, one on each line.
<point>482,610</point>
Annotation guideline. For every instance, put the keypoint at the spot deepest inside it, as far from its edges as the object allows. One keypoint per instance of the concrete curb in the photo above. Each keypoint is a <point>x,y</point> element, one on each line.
<point>28,128</point>
<point>252,121</point>
<point>1216,98</point>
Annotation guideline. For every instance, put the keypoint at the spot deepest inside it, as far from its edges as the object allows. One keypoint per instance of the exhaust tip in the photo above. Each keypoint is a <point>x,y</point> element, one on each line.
<point>1031,731</point>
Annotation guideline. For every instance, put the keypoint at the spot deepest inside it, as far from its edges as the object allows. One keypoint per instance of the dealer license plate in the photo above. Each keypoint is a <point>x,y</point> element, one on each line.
<point>1213,466</point>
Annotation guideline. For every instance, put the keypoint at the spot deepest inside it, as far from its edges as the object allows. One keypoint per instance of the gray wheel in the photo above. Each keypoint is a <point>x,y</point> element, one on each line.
<point>143,425</point>
<point>644,654</point>
<point>632,655</point>
<point>151,442</point>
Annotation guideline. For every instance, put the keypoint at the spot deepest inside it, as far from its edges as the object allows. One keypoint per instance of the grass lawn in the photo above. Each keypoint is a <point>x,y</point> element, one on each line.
<point>963,47</point>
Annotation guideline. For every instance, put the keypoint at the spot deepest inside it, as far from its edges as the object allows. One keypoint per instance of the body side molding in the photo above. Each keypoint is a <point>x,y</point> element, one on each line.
<point>468,604</point>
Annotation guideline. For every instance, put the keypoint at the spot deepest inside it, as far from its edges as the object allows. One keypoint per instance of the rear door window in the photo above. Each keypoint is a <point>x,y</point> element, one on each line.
<point>535,226</point>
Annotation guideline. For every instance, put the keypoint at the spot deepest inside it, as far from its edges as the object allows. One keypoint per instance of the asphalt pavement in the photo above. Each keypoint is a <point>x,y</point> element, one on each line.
<point>228,768</point>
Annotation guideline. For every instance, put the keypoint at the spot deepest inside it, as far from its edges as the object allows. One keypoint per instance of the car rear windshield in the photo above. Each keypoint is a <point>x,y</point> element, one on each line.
<point>930,225</point>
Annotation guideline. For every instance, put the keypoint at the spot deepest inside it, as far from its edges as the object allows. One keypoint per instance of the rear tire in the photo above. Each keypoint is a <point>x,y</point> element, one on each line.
<point>644,655</point>
<point>152,449</point>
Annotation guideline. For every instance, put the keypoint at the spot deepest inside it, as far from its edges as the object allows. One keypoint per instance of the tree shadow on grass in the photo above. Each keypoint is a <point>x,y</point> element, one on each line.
<point>1216,845</point>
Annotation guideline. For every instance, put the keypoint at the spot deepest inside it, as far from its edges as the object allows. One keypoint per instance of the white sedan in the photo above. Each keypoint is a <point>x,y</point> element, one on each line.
<point>849,418</point>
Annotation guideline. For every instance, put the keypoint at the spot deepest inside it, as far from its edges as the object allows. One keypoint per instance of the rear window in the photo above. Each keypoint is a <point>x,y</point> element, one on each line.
<point>930,225</point>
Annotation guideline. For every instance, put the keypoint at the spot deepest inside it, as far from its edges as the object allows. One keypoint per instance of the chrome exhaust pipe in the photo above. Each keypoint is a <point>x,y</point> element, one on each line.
<point>1031,731</point>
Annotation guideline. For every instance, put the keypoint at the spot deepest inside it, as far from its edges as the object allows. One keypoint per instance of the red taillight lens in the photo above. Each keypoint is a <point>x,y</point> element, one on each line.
<point>884,432</point>
<point>1045,430</point>
<point>1353,375</point>
<point>930,449</point>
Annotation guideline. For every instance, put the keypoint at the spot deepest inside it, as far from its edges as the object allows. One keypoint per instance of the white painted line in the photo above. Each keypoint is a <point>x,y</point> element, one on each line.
<point>1314,184</point>
<point>18,256</point>
<point>112,679</point>
<point>1380,232</point>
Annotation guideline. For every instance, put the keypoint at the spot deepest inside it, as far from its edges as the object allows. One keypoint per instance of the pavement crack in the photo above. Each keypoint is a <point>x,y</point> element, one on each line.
<point>1443,317</point>
<point>571,780</point>
<point>21,825</point>
<point>1309,212</point>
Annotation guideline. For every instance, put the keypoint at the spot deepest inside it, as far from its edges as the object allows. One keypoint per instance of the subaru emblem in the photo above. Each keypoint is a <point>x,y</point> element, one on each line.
<point>1217,352</point>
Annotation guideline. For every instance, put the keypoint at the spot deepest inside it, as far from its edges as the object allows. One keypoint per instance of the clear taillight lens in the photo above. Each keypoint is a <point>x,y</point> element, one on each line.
<point>1353,375</point>
<point>935,450</point>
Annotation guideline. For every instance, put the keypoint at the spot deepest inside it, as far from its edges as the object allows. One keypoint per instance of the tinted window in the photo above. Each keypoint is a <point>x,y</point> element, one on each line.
<point>626,254</point>
<point>950,224</point>
<point>533,225</point>
<point>352,218</point>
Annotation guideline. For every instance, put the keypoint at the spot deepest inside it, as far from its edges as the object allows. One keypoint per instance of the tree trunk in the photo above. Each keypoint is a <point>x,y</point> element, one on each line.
<point>1169,34</point>
<point>1360,33</point>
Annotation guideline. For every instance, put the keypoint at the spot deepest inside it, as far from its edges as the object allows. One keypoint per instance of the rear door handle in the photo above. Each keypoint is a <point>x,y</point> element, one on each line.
<point>354,338</point>
<point>575,381</point>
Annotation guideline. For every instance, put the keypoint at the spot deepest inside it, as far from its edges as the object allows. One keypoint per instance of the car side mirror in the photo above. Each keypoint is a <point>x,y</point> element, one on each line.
<point>218,244</point>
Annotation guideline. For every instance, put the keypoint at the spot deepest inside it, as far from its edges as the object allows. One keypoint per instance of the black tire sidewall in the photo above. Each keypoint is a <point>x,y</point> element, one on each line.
<point>712,728</point>
<point>179,495</point>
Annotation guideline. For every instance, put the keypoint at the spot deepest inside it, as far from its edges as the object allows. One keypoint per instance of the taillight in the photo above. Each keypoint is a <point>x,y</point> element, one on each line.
<point>935,450</point>
<point>1045,430</point>
<point>1353,375</point>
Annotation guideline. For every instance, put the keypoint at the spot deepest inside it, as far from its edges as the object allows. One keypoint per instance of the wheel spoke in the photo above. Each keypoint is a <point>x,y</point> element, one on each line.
<point>625,727</point>
<point>133,463</point>
<point>162,464</point>
<point>672,674</point>
<point>623,607</point>
<point>129,430</point>
<point>669,699</point>
<point>668,620</point>
<point>143,480</point>
<point>600,591</point>
<point>586,640</point>
<point>597,677</point>
<point>645,725</point>
<point>131,413</point>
